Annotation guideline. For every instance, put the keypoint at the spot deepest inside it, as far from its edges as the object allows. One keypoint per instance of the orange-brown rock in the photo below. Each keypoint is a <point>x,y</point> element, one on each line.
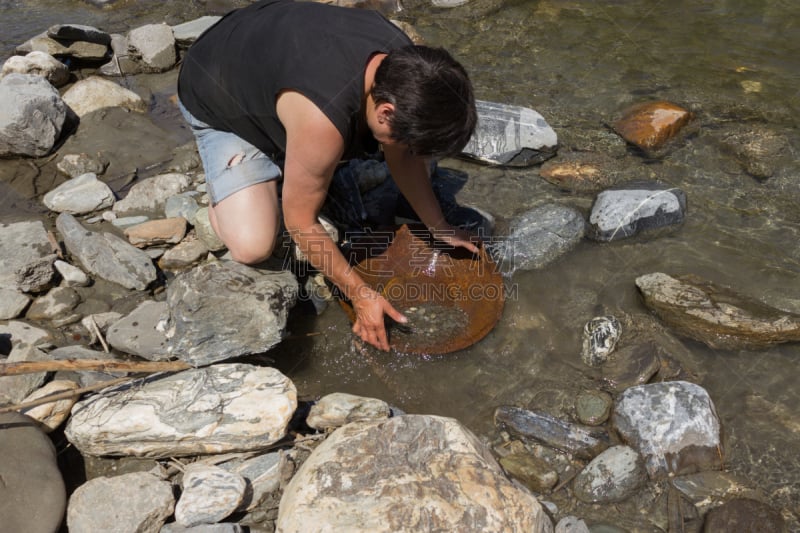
<point>154,232</point>
<point>580,172</point>
<point>650,125</point>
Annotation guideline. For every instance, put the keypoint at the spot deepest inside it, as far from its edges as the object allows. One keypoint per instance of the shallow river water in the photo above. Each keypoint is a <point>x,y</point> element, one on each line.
<point>734,63</point>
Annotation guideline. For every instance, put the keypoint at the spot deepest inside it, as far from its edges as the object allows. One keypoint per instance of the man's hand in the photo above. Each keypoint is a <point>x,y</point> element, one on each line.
<point>454,237</point>
<point>370,307</point>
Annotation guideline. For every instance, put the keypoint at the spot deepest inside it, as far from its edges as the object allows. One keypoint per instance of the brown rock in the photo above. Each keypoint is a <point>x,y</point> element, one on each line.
<point>154,232</point>
<point>716,316</point>
<point>745,516</point>
<point>580,172</point>
<point>650,125</point>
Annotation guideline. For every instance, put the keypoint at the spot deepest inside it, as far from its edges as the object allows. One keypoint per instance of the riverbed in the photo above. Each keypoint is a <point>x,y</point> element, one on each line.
<point>733,63</point>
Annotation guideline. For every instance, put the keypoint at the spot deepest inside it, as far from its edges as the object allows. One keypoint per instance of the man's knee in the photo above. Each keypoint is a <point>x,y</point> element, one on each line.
<point>251,253</point>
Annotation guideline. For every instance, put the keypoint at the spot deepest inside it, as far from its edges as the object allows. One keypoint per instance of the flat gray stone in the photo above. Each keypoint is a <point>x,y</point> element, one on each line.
<point>105,255</point>
<point>150,195</point>
<point>182,205</point>
<point>57,303</point>
<point>79,196</point>
<point>217,409</point>
<point>32,494</point>
<point>263,476</point>
<point>131,502</point>
<point>78,32</point>
<point>188,32</point>
<point>14,389</point>
<point>141,332</point>
<point>12,303</point>
<point>223,309</point>
<point>32,114</point>
<point>21,244</point>
<point>36,276</point>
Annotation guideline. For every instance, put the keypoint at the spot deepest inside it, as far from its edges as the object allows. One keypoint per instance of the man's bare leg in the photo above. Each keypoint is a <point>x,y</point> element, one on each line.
<point>248,221</point>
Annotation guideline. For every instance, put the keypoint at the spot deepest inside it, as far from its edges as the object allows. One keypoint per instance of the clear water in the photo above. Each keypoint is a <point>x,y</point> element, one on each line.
<point>579,63</point>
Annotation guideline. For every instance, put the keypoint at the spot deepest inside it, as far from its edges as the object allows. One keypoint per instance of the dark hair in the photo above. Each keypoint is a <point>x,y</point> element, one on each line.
<point>434,108</point>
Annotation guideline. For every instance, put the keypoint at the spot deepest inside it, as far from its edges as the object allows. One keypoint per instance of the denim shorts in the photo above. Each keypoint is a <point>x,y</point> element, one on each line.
<point>231,163</point>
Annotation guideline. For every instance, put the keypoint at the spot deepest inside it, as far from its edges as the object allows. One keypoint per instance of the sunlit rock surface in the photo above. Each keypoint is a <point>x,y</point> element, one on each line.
<point>338,409</point>
<point>715,315</point>
<point>222,408</point>
<point>224,309</point>
<point>31,115</point>
<point>674,426</point>
<point>405,474</point>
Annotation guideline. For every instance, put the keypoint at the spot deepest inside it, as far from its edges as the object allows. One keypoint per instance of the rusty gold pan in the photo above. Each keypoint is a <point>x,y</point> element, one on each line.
<point>415,270</point>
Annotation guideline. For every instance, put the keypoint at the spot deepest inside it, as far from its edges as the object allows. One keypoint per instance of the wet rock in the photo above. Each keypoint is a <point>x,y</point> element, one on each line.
<point>673,425</point>
<point>21,244</point>
<point>185,254</point>
<point>600,337</point>
<point>150,195</point>
<point>262,474</point>
<point>31,115</point>
<point>715,315</point>
<point>155,232</point>
<point>57,48</point>
<point>14,389</point>
<point>593,407</point>
<point>634,207</point>
<point>571,524</point>
<point>105,255</point>
<point>57,304</point>
<point>226,527</point>
<point>74,165</point>
<point>32,494</point>
<point>709,489</point>
<point>224,309</point>
<point>367,476</point>
<point>78,32</point>
<point>744,515</point>
<point>581,172</point>
<point>79,196</point>
<point>53,414</point>
<point>539,237</point>
<point>84,378</point>
<point>206,233</point>
<point>759,150</point>
<point>232,407</point>
<point>209,495</point>
<point>409,30</point>
<point>181,205</point>
<point>12,303</point>
<point>38,64</point>
<point>534,473</point>
<point>94,92</point>
<point>610,477</point>
<point>72,276</point>
<point>142,332</point>
<point>650,125</point>
<point>188,32</point>
<point>36,276</point>
<point>583,442</point>
<point>153,47</point>
<point>131,502</point>
<point>630,366</point>
<point>510,135</point>
<point>337,409</point>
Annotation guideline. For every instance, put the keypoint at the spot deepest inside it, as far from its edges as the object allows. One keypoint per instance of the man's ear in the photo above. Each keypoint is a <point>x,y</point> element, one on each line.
<point>384,112</point>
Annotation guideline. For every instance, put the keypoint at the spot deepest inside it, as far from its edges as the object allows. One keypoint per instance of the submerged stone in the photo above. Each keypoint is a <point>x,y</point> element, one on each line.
<point>629,209</point>
<point>650,125</point>
<point>600,337</point>
<point>593,407</point>
<point>612,476</point>
<point>742,514</point>
<point>716,316</point>
<point>630,366</point>
<point>581,172</point>
<point>337,409</point>
<point>534,473</point>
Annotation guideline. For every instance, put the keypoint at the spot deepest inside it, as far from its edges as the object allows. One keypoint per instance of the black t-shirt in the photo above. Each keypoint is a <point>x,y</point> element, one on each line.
<point>231,77</point>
